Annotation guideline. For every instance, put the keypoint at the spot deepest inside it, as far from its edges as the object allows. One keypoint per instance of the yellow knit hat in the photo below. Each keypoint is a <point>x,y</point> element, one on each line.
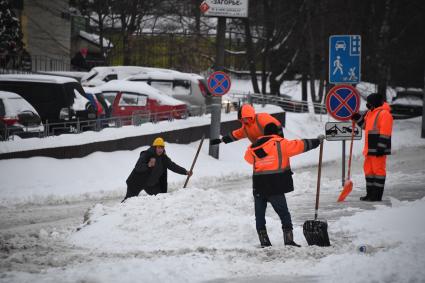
<point>158,142</point>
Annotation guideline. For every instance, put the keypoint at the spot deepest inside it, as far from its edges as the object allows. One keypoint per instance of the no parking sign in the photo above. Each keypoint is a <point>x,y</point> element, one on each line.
<point>342,102</point>
<point>219,83</point>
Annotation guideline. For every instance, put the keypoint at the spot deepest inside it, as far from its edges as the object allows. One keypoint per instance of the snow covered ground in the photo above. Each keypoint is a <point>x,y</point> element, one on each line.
<point>206,233</point>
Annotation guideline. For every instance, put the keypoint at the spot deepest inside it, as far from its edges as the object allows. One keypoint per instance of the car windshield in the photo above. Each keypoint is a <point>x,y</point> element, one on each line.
<point>89,76</point>
<point>110,96</point>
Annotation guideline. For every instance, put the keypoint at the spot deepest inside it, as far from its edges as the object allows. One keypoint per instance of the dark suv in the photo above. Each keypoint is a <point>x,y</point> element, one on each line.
<point>56,99</point>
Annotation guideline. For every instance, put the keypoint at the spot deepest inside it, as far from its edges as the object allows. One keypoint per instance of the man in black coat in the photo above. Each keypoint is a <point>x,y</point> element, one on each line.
<point>150,172</point>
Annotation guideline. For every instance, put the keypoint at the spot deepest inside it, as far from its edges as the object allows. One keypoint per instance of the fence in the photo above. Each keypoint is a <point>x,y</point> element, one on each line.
<point>78,126</point>
<point>25,63</point>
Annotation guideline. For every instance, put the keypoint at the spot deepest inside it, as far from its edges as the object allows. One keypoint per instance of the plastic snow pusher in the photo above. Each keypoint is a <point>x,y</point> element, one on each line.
<point>348,184</point>
<point>315,231</point>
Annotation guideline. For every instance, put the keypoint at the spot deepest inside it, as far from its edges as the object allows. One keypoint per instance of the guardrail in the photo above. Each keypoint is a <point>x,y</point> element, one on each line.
<point>78,126</point>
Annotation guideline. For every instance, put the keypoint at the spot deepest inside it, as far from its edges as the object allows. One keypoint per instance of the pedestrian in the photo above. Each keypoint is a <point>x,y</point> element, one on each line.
<point>272,178</point>
<point>252,126</point>
<point>377,123</point>
<point>150,172</point>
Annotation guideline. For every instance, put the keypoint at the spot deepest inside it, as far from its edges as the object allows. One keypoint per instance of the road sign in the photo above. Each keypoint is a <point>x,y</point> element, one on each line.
<point>342,102</point>
<point>339,131</point>
<point>344,59</point>
<point>218,83</point>
<point>227,8</point>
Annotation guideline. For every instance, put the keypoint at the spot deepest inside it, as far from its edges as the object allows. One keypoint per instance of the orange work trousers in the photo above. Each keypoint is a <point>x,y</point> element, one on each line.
<point>375,166</point>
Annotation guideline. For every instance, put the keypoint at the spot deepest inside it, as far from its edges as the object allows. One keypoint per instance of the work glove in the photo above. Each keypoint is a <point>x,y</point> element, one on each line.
<point>356,116</point>
<point>215,141</point>
<point>321,138</point>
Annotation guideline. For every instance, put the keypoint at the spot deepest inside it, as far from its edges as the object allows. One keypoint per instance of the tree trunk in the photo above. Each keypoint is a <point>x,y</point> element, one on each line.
<point>323,51</point>
<point>311,53</point>
<point>251,56</point>
<point>383,46</point>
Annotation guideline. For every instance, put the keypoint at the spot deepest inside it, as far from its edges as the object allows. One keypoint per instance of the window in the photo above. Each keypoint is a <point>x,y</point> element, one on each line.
<point>129,99</point>
<point>110,96</point>
<point>2,110</point>
<point>110,77</point>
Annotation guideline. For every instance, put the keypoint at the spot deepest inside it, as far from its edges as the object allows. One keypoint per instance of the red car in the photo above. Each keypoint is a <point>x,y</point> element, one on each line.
<point>139,99</point>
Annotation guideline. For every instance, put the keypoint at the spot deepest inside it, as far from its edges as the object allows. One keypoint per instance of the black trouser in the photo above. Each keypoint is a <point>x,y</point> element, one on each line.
<point>279,205</point>
<point>134,191</point>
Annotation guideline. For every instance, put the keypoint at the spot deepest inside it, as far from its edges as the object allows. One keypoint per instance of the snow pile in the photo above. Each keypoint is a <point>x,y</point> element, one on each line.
<point>394,237</point>
<point>197,228</point>
<point>184,219</point>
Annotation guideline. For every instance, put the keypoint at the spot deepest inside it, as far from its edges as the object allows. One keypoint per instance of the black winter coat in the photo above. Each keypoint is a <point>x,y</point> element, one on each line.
<point>141,173</point>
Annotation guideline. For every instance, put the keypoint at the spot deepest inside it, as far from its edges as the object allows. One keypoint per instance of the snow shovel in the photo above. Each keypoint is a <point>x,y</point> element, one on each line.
<point>315,231</point>
<point>348,185</point>
<point>194,160</point>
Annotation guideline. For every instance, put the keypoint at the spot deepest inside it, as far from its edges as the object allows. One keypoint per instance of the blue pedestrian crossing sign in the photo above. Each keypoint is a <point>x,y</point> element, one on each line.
<point>344,59</point>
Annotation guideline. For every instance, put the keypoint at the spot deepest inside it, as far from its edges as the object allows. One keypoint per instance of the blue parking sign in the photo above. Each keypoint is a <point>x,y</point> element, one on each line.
<point>344,59</point>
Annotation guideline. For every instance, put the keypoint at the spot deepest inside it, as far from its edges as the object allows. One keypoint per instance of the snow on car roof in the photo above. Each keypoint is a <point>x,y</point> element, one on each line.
<point>37,78</point>
<point>92,90</point>
<point>92,37</point>
<point>141,88</point>
<point>15,103</point>
<point>8,94</point>
<point>163,74</point>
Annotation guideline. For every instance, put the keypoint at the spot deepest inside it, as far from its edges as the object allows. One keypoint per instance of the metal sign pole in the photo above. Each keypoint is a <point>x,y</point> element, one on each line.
<point>423,109</point>
<point>343,162</point>
<point>216,101</point>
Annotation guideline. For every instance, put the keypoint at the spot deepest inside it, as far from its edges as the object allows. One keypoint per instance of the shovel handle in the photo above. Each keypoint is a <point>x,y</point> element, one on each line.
<point>194,160</point>
<point>353,127</point>
<point>319,173</point>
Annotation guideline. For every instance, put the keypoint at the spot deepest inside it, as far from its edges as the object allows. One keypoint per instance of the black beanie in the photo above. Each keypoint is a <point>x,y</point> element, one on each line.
<point>271,129</point>
<point>375,99</point>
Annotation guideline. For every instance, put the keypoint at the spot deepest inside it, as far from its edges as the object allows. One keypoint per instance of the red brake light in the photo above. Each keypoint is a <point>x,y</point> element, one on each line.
<point>9,121</point>
<point>203,89</point>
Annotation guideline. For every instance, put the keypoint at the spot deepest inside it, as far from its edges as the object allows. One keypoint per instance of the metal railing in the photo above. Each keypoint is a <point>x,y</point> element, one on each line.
<point>79,125</point>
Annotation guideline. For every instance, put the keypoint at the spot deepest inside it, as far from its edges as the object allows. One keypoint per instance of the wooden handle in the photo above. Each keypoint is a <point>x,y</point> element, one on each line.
<point>194,160</point>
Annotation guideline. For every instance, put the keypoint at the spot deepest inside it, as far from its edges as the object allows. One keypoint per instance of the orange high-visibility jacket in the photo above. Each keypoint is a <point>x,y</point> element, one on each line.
<point>378,125</point>
<point>270,159</point>
<point>255,129</point>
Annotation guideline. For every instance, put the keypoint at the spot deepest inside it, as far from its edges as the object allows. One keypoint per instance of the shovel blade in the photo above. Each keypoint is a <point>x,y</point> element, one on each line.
<point>346,190</point>
<point>316,233</point>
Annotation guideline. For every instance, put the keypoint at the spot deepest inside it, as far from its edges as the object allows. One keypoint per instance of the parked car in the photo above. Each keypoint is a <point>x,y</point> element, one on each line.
<point>407,104</point>
<point>100,75</point>
<point>18,117</point>
<point>98,100</point>
<point>57,99</point>
<point>187,87</point>
<point>138,98</point>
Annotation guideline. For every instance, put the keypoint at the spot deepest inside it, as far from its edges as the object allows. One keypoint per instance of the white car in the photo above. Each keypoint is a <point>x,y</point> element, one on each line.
<point>187,87</point>
<point>18,117</point>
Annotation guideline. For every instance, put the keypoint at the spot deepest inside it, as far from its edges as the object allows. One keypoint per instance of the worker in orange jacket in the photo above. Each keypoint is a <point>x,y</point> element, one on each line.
<point>272,178</point>
<point>377,123</point>
<point>252,126</point>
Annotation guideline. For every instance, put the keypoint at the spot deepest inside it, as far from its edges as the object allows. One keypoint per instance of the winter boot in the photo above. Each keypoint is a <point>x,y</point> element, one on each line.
<point>368,195</point>
<point>288,238</point>
<point>264,238</point>
<point>379,193</point>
